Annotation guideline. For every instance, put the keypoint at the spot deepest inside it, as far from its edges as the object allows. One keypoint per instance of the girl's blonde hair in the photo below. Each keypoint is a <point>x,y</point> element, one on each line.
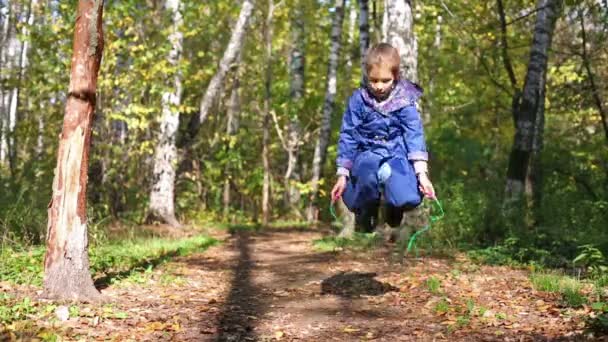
<point>383,54</point>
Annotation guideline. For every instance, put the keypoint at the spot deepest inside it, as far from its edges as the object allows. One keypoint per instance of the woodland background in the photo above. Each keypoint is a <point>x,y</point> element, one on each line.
<point>263,123</point>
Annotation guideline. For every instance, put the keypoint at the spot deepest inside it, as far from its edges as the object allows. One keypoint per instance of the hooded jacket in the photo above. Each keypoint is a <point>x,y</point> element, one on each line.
<point>389,128</point>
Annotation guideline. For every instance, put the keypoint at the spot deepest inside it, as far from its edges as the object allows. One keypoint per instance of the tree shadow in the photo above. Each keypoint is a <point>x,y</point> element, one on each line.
<point>236,320</point>
<point>355,284</point>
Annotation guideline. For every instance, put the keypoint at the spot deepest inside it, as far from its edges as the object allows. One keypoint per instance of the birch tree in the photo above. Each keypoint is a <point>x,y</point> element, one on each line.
<point>363,30</point>
<point>66,262</point>
<point>328,106</point>
<point>232,126</point>
<point>398,30</point>
<point>162,196</point>
<point>230,54</point>
<point>266,119</point>
<point>294,129</point>
<point>523,174</point>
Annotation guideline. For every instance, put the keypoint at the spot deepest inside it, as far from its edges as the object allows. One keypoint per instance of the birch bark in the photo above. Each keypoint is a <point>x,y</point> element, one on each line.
<point>162,196</point>
<point>328,107</point>
<point>524,173</point>
<point>215,85</point>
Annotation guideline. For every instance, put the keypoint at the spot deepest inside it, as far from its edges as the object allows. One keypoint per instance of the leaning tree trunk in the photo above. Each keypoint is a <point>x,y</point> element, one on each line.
<point>66,263</point>
<point>215,85</point>
<point>328,107</point>
<point>398,30</point>
<point>523,174</point>
<point>162,196</point>
<point>294,129</point>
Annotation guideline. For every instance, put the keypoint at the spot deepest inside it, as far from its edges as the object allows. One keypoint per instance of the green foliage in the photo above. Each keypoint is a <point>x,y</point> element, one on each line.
<point>433,284</point>
<point>593,259</point>
<point>568,287</point>
<point>443,306</point>
<point>11,310</point>
<point>112,262</point>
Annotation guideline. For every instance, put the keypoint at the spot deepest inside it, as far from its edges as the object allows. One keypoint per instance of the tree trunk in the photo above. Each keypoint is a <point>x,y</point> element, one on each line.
<point>594,89</point>
<point>524,164</point>
<point>215,85</point>
<point>10,44</point>
<point>233,112</point>
<point>363,31</point>
<point>352,19</point>
<point>294,129</point>
<point>66,263</point>
<point>162,196</point>
<point>398,30</point>
<point>266,123</point>
<point>328,107</point>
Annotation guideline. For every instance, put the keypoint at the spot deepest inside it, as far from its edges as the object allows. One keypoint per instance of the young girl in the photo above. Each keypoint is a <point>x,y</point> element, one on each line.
<point>381,149</point>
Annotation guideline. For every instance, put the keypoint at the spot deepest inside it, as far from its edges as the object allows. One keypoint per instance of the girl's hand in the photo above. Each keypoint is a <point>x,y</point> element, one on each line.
<point>338,189</point>
<point>425,185</point>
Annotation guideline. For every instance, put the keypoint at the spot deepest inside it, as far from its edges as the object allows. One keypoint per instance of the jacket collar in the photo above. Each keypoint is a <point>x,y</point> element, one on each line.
<point>405,93</point>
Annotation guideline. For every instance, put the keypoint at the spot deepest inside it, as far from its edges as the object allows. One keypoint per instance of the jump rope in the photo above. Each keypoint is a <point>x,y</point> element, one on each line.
<point>435,207</point>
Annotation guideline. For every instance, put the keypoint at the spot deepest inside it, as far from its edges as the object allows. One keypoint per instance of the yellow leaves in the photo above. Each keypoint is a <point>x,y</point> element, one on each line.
<point>162,326</point>
<point>565,73</point>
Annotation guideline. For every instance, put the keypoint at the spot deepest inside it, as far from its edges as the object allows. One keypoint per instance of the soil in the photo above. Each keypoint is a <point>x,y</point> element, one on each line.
<point>273,285</point>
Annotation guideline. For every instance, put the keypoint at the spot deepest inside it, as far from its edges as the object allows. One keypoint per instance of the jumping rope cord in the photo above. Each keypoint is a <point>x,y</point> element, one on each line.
<point>435,207</point>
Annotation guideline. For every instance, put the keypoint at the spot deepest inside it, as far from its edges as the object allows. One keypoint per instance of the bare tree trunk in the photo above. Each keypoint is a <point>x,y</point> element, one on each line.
<point>363,30</point>
<point>352,19</point>
<point>398,30</point>
<point>328,107</point>
<point>524,166</point>
<point>590,76</point>
<point>266,123</point>
<point>233,112</point>
<point>215,85</point>
<point>294,129</point>
<point>7,63</point>
<point>162,196</point>
<point>66,263</point>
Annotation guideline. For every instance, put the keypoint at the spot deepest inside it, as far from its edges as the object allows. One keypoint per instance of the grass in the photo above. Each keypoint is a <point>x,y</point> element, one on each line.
<point>433,284</point>
<point>359,241</point>
<point>568,287</point>
<point>112,261</point>
<point>131,261</point>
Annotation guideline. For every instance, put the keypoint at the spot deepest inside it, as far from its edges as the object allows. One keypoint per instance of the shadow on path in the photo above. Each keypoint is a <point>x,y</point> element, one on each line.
<point>243,306</point>
<point>355,284</point>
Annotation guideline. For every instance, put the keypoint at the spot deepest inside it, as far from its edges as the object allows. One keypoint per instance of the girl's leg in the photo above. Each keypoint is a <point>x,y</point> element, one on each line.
<point>366,217</point>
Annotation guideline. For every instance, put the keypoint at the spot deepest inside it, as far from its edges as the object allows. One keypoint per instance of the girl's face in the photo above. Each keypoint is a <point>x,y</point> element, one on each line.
<point>381,81</point>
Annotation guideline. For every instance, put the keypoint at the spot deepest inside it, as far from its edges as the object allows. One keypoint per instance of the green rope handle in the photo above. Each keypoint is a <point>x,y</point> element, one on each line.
<point>435,206</point>
<point>412,242</point>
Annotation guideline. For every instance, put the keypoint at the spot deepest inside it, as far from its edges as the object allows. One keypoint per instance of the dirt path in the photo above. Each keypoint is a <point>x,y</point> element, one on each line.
<point>273,286</point>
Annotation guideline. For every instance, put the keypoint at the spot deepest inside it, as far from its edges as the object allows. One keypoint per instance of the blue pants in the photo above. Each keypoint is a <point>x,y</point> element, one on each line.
<point>373,174</point>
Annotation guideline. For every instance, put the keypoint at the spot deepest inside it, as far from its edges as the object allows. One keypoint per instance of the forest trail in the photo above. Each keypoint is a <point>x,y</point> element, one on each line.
<point>269,285</point>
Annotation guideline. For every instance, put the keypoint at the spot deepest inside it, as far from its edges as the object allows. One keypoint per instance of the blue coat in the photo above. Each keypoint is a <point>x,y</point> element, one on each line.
<point>378,143</point>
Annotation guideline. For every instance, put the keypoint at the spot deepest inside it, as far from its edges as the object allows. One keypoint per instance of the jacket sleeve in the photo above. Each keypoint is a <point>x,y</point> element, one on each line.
<point>414,136</point>
<point>349,139</point>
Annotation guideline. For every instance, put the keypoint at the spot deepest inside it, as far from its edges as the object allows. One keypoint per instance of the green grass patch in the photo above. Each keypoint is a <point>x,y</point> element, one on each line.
<point>568,287</point>
<point>442,306</point>
<point>433,284</point>
<point>112,261</point>
<point>359,241</point>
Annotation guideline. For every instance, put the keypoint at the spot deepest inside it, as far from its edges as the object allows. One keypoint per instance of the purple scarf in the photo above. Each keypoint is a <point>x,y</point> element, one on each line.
<point>405,93</point>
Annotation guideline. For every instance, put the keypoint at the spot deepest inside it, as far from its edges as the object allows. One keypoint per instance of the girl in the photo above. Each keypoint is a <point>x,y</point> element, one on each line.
<point>381,148</point>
